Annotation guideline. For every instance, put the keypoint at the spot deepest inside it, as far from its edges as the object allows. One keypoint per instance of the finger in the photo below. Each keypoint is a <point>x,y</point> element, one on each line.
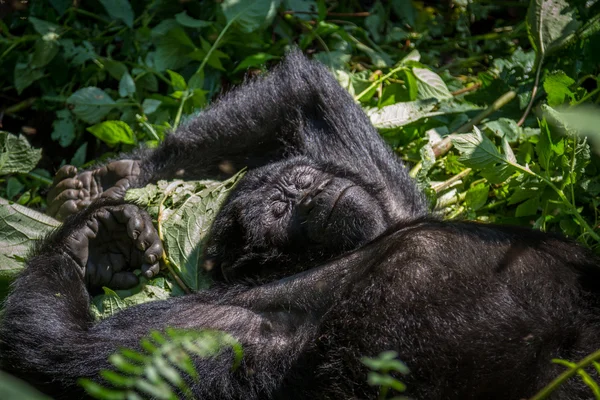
<point>150,271</point>
<point>108,221</point>
<point>66,209</point>
<point>66,171</point>
<point>132,217</point>
<point>148,236</point>
<point>123,280</point>
<point>78,246</point>
<point>55,203</point>
<point>117,192</point>
<point>65,184</point>
<point>89,183</point>
<point>154,252</point>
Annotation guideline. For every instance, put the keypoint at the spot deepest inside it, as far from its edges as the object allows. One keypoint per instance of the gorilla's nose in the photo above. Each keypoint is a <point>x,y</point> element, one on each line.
<point>308,199</point>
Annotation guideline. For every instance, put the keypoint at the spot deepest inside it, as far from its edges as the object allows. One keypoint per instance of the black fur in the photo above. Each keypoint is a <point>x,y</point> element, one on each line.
<point>475,311</point>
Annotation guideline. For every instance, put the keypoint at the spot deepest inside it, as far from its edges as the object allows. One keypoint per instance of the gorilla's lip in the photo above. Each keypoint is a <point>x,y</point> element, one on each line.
<point>335,203</point>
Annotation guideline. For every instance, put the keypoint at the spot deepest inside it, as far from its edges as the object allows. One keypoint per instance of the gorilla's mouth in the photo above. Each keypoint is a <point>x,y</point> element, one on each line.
<point>336,201</point>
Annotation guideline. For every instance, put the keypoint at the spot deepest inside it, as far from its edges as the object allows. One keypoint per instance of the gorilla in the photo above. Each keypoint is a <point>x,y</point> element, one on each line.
<point>324,253</point>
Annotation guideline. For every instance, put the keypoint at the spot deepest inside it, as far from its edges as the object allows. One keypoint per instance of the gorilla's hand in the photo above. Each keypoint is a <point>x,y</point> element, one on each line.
<point>72,192</point>
<point>110,242</point>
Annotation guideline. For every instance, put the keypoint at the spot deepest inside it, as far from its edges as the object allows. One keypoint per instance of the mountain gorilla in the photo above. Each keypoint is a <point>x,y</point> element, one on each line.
<point>323,253</point>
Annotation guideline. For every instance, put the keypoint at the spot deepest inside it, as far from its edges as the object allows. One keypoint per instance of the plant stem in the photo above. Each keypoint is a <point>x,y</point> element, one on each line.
<point>377,82</point>
<point>184,98</point>
<point>214,45</point>
<point>533,91</point>
<point>552,386</point>
<point>449,182</point>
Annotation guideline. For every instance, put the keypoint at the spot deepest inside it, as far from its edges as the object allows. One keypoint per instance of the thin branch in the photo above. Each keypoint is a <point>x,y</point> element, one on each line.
<point>533,91</point>
<point>471,88</point>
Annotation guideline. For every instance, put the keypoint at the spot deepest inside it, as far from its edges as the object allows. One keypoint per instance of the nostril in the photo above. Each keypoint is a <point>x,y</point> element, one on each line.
<point>306,204</point>
<point>322,186</point>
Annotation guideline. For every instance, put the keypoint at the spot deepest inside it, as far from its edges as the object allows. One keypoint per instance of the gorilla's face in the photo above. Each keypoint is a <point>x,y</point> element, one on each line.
<point>292,214</point>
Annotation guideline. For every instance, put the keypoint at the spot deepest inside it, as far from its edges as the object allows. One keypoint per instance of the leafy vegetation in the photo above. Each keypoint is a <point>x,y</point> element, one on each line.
<point>164,367</point>
<point>494,105</point>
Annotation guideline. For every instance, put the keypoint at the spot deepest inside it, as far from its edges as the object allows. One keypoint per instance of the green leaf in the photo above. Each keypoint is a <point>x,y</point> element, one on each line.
<point>119,9</point>
<point>477,151</point>
<point>254,60</point>
<point>90,104</point>
<point>113,132</point>
<point>405,10</point>
<point>150,105</point>
<point>126,85</point>
<point>43,27</point>
<point>249,15</point>
<point>504,128</point>
<point>550,24</point>
<point>79,157</point>
<point>24,76</point>
<point>188,209</point>
<point>177,81</point>
<point>430,85</point>
<point>20,227</point>
<point>44,52</point>
<point>16,154</point>
<point>528,207</point>
<point>187,21</point>
<point>172,50</point>
<point>401,114</point>
<point>61,5</point>
<point>477,196</point>
<point>116,69</point>
<point>557,86</point>
<point>64,128</point>
<point>13,187</point>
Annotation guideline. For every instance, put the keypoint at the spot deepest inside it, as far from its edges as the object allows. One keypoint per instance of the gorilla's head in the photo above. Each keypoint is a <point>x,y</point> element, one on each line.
<point>288,216</point>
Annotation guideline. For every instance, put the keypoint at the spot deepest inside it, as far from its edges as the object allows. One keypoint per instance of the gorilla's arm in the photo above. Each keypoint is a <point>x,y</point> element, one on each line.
<point>48,335</point>
<point>296,109</point>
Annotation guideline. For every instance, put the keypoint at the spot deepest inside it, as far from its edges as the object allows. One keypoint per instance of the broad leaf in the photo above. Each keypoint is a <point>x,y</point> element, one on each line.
<point>477,151</point>
<point>25,75</point>
<point>20,227</point>
<point>113,132</point>
<point>43,27</point>
<point>90,104</point>
<point>16,154</point>
<point>172,49</point>
<point>557,86</point>
<point>150,105</point>
<point>64,128</point>
<point>177,81</point>
<point>185,211</point>
<point>250,15</point>
<point>253,61</point>
<point>430,85</point>
<point>550,24</point>
<point>44,51</point>
<point>400,114</point>
<point>119,9</point>
<point>126,85</point>
<point>189,22</point>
